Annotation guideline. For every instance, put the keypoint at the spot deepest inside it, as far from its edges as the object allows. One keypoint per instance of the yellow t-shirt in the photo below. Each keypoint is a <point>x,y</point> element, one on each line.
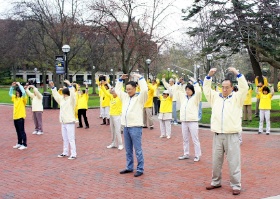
<point>265,101</point>
<point>83,101</point>
<point>248,100</point>
<point>165,104</point>
<point>149,102</point>
<point>115,106</point>
<point>19,107</point>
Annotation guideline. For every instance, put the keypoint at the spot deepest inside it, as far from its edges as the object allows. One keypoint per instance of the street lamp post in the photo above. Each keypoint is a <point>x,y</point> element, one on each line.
<point>198,66</point>
<point>209,59</point>
<point>93,80</point>
<point>148,62</point>
<point>168,69</point>
<point>66,49</point>
<point>113,79</point>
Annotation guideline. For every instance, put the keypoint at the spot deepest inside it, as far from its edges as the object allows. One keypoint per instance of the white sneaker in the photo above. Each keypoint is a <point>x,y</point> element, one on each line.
<point>162,136</point>
<point>120,147</point>
<point>22,147</point>
<point>35,132</point>
<point>62,156</point>
<point>168,137</point>
<point>175,123</point>
<point>196,159</point>
<point>72,158</point>
<point>40,133</point>
<point>111,146</point>
<point>17,146</point>
<point>183,157</point>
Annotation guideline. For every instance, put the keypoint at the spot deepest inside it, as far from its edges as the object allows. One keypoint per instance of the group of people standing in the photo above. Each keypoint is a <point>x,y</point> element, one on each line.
<point>130,109</point>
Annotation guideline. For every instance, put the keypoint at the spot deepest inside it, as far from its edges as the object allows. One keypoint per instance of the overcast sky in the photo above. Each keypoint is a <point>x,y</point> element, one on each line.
<point>172,23</point>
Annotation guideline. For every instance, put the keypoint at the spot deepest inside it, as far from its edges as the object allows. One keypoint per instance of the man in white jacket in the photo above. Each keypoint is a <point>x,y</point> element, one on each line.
<point>132,119</point>
<point>67,102</point>
<point>226,124</point>
<point>37,108</point>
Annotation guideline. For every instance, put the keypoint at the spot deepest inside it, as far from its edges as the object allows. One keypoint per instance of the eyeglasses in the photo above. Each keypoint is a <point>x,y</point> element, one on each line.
<point>225,88</point>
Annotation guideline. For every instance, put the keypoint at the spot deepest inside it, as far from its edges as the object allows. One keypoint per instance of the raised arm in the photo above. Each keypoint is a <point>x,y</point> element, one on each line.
<point>207,89</point>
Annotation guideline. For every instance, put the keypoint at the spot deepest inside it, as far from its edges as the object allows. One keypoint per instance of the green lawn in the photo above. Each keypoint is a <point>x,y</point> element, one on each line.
<point>5,98</point>
<point>274,115</point>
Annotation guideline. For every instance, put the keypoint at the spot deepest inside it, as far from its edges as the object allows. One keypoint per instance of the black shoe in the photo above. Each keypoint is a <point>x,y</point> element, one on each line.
<point>79,127</point>
<point>86,127</point>
<point>151,128</point>
<point>125,171</point>
<point>267,133</point>
<point>144,127</point>
<point>137,174</point>
<point>259,133</point>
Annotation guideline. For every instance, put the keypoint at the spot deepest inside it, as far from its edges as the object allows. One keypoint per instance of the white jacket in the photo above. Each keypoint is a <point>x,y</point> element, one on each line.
<point>37,99</point>
<point>67,105</point>
<point>225,116</point>
<point>189,106</point>
<point>132,107</point>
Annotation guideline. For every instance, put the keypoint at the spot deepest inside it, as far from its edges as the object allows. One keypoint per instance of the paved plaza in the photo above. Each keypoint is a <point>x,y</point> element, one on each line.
<point>38,173</point>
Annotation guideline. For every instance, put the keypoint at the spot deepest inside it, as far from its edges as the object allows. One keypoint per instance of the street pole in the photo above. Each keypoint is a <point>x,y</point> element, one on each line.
<point>148,62</point>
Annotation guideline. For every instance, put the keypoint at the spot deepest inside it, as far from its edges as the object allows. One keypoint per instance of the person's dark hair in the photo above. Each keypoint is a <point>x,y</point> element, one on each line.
<point>75,86</point>
<point>18,90</point>
<point>189,86</point>
<point>229,81</point>
<point>66,91</point>
<point>132,83</point>
<point>84,91</point>
<point>235,88</point>
<point>265,88</point>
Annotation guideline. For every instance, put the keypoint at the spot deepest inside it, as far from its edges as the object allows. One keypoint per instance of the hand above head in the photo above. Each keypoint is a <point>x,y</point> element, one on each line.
<point>163,76</point>
<point>51,84</point>
<point>137,75</point>
<point>17,83</point>
<point>192,79</point>
<point>14,84</point>
<point>124,76</point>
<point>233,70</point>
<point>212,72</point>
<point>67,82</point>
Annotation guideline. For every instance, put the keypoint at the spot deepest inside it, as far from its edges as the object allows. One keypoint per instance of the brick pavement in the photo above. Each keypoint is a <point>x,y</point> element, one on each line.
<point>38,173</point>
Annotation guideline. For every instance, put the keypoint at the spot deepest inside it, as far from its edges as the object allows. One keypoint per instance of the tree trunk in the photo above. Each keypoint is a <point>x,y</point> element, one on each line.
<point>255,64</point>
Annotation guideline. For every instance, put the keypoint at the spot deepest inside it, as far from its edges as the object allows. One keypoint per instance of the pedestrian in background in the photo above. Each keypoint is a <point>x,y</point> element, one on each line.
<point>247,107</point>
<point>165,114</point>
<point>259,87</point>
<point>19,114</point>
<point>265,107</point>
<point>148,109</point>
<point>155,84</point>
<point>225,125</point>
<point>83,107</point>
<point>37,108</point>
<point>67,102</point>
<point>132,119</point>
<point>105,103</point>
<point>115,118</point>
<point>172,88</point>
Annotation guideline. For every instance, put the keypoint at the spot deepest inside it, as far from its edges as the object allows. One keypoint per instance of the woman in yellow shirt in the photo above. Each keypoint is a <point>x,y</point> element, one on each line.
<point>247,106</point>
<point>265,107</point>
<point>165,114</point>
<point>19,100</point>
<point>82,106</point>
<point>105,104</point>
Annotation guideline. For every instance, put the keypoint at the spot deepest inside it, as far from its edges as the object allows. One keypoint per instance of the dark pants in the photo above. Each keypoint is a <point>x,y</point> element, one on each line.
<point>156,104</point>
<point>82,112</point>
<point>19,125</point>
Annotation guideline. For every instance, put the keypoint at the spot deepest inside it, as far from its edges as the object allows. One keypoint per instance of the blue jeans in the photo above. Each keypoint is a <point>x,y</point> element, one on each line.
<point>133,137</point>
<point>174,111</point>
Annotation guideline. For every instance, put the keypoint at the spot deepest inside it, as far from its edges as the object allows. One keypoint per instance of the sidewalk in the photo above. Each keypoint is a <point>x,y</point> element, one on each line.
<point>37,173</point>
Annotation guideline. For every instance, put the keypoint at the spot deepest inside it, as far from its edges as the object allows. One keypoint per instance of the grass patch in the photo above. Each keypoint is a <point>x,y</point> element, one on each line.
<point>274,116</point>
<point>5,98</point>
